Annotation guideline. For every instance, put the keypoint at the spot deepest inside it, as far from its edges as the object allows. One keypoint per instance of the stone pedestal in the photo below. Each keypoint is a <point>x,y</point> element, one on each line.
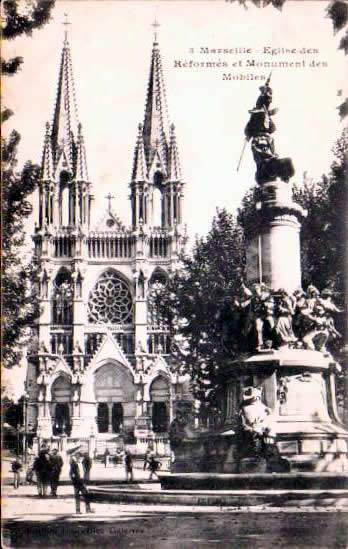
<point>298,386</point>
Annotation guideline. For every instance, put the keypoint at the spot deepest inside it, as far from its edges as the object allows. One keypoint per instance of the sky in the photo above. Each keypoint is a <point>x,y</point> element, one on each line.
<point>111,45</point>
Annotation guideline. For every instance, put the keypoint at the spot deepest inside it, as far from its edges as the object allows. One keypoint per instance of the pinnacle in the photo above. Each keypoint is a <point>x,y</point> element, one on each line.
<point>67,144</point>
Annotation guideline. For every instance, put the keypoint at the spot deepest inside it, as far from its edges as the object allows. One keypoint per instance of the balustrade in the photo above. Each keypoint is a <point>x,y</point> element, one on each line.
<point>110,246</point>
<point>158,246</point>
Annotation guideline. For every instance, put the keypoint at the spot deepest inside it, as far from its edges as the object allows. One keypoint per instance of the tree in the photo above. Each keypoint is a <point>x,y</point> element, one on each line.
<point>18,273</point>
<point>19,304</point>
<point>195,295</point>
<point>323,232</point>
<point>22,18</point>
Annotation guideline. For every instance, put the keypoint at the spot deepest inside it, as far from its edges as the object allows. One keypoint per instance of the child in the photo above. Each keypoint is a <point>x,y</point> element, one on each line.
<point>16,469</point>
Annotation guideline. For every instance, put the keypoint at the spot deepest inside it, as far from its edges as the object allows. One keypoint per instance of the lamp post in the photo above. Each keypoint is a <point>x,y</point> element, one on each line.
<point>25,425</point>
<point>38,436</point>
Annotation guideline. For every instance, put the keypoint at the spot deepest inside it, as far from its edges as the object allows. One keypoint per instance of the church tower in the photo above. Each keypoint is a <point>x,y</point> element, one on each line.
<point>100,370</point>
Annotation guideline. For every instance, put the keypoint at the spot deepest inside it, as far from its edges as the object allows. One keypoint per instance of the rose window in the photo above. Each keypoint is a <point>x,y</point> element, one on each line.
<point>111,301</point>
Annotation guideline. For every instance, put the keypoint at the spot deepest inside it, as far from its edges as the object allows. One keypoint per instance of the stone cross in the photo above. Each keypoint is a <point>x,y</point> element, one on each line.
<point>109,197</point>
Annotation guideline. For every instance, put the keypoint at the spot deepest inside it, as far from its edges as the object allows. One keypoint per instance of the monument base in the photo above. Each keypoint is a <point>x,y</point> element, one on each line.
<point>297,386</point>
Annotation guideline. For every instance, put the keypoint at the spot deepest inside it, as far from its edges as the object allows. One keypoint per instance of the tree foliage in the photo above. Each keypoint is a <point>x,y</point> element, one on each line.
<point>194,297</point>
<point>19,307</point>
<point>22,18</point>
<point>323,232</point>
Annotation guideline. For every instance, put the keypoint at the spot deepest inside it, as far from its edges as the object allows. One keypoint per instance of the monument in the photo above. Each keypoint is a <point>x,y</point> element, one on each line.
<point>279,411</point>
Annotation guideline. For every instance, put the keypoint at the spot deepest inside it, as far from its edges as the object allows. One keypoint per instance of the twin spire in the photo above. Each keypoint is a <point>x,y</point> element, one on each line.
<point>156,148</point>
<point>64,148</point>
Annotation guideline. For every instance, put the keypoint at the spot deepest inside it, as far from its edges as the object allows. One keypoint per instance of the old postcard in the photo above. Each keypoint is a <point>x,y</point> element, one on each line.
<point>147,121</point>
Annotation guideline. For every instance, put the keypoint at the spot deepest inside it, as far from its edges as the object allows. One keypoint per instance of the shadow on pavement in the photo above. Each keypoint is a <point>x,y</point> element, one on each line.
<point>163,530</point>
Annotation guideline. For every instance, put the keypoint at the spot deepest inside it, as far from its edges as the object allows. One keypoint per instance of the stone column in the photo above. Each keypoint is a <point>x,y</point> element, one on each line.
<point>273,249</point>
<point>110,417</point>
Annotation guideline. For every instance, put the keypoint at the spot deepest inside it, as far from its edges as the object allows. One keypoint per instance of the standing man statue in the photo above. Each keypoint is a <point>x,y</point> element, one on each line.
<point>259,129</point>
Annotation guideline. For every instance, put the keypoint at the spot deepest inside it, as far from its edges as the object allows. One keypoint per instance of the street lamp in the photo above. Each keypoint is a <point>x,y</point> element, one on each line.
<point>38,436</point>
<point>25,425</point>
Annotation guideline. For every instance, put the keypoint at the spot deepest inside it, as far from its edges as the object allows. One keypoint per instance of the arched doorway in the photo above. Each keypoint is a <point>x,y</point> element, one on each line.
<point>61,397</point>
<point>160,398</point>
<point>114,390</point>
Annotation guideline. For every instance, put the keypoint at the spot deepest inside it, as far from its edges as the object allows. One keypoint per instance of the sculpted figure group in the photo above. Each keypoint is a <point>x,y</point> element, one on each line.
<point>269,319</point>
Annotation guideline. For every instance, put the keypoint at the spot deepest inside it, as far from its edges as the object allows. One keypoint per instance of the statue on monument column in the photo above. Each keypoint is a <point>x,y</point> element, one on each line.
<point>283,326</point>
<point>269,166</point>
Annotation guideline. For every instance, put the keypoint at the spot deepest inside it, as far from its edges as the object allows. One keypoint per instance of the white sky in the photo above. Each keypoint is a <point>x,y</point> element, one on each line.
<point>111,44</point>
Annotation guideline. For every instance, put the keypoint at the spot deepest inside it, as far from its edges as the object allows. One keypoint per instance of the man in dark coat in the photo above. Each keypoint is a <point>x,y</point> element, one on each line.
<point>86,464</point>
<point>154,465</point>
<point>56,462</point>
<point>128,463</point>
<point>76,475</point>
<point>42,468</point>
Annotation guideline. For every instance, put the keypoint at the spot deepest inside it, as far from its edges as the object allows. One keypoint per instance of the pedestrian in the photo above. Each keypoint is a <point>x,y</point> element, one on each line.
<point>87,465</point>
<point>154,465</point>
<point>106,457</point>
<point>146,458</point>
<point>16,470</point>
<point>56,463</point>
<point>118,457</point>
<point>42,468</point>
<point>128,463</point>
<point>77,475</point>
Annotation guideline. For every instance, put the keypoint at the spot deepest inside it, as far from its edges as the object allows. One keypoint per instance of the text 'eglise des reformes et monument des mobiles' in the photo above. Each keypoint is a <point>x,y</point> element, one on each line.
<point>239,63</point>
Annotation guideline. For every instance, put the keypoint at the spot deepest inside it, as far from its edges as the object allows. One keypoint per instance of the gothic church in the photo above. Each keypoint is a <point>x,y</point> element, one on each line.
<point>100,373</point>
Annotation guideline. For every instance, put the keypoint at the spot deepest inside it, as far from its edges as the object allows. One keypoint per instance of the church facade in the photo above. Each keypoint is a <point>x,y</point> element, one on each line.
<point>100,370</point>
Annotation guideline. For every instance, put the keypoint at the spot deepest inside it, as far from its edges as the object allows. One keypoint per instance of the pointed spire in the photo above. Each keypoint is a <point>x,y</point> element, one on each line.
<point>65,120</point>
<point>156,115</point>
<point>174,164</point>
<point>81,162</point>
<point>46,164</point>
<point>139,165</point>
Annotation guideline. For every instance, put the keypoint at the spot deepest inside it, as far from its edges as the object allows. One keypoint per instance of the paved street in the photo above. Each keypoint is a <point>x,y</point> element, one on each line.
<point>30,522</point>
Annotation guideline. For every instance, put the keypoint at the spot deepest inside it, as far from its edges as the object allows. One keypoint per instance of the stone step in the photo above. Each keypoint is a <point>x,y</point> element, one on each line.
<point>222,498</point>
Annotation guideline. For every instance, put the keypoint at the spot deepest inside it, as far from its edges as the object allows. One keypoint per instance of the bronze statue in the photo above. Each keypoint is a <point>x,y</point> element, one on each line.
<point>258,130</point>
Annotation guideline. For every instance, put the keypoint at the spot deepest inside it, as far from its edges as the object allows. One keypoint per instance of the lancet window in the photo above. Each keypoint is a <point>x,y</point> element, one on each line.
<point>110,302</point>
<point>157,285</point>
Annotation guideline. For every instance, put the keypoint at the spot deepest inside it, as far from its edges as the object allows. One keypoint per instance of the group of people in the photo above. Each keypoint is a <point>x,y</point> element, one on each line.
<point>150,462</point>
<point>47,467</point>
